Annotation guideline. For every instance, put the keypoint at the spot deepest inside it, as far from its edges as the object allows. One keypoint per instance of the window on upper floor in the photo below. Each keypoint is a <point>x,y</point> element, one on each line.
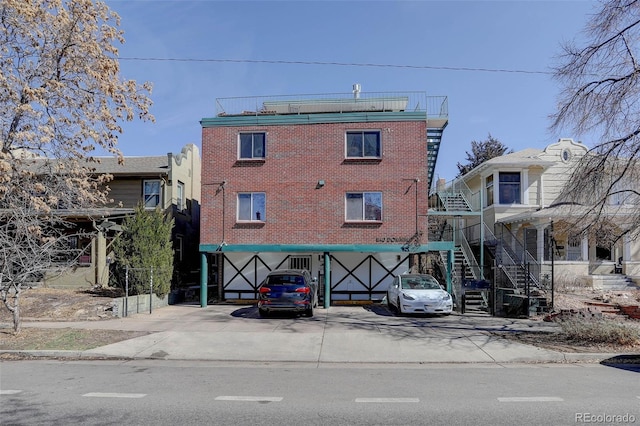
<point>510,189</point>
<point>151,193</point>
<point>252,146</point>
<point>180,204</point>
<point>489,190</point>
<point>363,144</point>
<point>363,206</point>
<point>252,206</point>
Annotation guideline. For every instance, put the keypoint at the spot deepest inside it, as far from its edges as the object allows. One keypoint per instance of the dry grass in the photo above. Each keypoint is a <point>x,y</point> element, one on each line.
<point>70,339</point>
<point>600,331</point>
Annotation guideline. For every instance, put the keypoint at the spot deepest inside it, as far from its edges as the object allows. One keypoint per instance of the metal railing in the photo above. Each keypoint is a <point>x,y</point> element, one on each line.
<point>456,189</point>
<point>434,106</point>
<point>468,255</point>
<point>513,253</point>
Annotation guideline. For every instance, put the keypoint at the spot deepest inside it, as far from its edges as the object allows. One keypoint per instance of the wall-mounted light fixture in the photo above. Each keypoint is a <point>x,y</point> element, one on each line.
<point>320,184</point>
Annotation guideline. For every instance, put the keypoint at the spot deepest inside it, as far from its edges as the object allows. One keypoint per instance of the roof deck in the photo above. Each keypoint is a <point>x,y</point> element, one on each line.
<point>435,107</point>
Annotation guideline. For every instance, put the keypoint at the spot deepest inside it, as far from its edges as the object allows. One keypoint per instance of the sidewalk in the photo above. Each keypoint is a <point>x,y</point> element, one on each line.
<point>340,334</point>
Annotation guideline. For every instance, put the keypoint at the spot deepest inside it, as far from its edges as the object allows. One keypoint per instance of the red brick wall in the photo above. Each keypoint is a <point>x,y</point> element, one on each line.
<point>297,157</point>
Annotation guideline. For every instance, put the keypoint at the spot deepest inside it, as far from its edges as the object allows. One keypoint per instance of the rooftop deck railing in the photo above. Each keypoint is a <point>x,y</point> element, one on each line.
<point>434,106</point>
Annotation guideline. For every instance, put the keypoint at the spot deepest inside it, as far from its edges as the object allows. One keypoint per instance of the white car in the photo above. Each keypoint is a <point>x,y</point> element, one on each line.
<point>419,294</point>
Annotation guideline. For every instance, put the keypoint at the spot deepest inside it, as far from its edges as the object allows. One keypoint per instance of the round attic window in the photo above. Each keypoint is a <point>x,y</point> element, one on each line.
<point>566,155</point>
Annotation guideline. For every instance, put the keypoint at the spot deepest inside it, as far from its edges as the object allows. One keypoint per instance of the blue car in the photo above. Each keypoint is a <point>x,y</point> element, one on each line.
<point>288,290</point>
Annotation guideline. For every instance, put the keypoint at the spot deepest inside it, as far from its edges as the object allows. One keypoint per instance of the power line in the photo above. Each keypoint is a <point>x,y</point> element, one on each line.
<point>342,64</point>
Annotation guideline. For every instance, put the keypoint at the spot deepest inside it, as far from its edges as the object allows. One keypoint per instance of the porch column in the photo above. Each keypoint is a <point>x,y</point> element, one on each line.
<point>540,242</point>
<point>626,251</point>
<point>102,272</point>
<point>584,245</point>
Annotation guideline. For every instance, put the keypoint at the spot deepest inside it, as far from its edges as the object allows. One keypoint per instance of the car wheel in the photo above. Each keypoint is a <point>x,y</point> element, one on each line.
<point>389,304</point>
<point>399,307</point>
<point>263,313</point>
<point>309,311</point>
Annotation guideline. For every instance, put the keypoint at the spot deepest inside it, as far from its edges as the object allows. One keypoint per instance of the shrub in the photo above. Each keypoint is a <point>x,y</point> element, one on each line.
<point>145,248</point>
<point>599,331</point>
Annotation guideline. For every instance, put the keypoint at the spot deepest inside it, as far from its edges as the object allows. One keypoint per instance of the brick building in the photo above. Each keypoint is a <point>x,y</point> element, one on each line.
<point>336,184</point>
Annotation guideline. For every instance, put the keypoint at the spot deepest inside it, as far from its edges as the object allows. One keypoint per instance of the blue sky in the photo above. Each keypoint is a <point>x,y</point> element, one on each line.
<point>494,35</point>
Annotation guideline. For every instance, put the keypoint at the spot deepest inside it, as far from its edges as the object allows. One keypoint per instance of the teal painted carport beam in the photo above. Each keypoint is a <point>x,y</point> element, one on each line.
<point>361,248</point>
<point>327,280</point>
<point>204,272</point>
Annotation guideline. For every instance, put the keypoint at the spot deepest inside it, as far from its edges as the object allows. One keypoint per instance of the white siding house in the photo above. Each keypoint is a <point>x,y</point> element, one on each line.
<point>520,210</point>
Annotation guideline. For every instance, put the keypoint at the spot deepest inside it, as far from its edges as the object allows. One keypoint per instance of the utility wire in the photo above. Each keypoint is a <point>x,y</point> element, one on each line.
<point>342,64</point>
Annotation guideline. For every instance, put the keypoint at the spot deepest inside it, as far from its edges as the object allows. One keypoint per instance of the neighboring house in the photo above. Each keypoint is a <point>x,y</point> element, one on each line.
<point>513,215</point>
<point>335,184</point>
<point>171,182</point>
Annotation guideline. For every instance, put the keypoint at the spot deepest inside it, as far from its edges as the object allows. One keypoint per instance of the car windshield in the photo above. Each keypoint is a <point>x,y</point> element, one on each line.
<point>420,283</point>
<point>285,279</point>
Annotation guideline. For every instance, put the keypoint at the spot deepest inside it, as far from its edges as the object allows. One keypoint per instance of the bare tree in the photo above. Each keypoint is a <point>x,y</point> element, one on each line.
<point>600,98</point>
<point>61,98</point>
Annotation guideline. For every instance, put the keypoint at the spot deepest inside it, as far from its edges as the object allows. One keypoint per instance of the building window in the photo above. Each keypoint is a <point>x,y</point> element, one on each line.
<point>251,206</point>
<point>489,190</point>
<point>252,146</point>
<point>151,193</point>
<point>363,144</point>
<point>180,196</point>
<point>363,206</point>
<point>510,188</point>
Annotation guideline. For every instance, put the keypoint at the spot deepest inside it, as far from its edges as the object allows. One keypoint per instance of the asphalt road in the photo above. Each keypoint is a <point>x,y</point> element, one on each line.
<point>149,392</point>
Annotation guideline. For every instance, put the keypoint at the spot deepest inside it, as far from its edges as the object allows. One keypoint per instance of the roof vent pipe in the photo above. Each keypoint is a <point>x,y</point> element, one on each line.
<point>356,91</point>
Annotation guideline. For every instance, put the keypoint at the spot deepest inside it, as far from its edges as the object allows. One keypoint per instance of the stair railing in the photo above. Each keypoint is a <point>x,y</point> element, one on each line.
<point>457,189</point>
<point>468,254</point>
<point>517,255</point>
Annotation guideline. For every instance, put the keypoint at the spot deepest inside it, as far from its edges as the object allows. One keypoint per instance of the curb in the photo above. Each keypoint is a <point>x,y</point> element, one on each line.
<point>59,354</point>
<point>565,358</point>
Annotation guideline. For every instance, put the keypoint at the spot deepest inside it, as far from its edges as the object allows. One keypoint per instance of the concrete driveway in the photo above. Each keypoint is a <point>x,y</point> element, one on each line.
<point>339,334</point>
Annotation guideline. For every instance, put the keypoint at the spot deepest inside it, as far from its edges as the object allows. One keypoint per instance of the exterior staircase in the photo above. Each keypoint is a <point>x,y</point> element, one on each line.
<point>455,202</point>
<point>468,300</point>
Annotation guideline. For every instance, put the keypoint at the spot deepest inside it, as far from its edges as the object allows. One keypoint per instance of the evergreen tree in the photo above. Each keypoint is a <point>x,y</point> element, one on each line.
<point>145,247</point>
<point>481,152</point>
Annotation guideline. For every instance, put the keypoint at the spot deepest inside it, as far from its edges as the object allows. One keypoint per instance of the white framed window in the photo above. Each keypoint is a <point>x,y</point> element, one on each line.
<point>363,206</point>
<point>510,188</point>
<point>489,190</point>
<point>252,207</point>
<point>151,193</point>
<point>363,144</point>
<point>180,204</point>
<point>252,146</point>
